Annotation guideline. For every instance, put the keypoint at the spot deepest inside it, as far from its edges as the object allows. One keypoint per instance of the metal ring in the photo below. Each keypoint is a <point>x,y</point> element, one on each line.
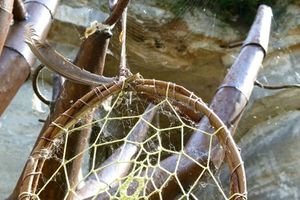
<point>35,87</point>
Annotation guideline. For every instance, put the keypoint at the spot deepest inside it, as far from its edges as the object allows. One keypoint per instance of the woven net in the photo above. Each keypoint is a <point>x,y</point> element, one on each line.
<point>140,147</point>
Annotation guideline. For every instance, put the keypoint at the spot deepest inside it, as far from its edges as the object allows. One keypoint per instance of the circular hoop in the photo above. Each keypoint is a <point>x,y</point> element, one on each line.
<point>153,88</point>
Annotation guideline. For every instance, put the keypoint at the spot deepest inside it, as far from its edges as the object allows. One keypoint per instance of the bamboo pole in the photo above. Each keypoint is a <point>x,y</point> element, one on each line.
<point>17,58</point>
<point>91,57</point>
<point>232,96</point>
<point>19,10</point>
<point>6,7</point>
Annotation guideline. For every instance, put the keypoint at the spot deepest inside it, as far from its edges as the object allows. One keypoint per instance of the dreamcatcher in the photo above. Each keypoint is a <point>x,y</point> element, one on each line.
<point>145,140</point>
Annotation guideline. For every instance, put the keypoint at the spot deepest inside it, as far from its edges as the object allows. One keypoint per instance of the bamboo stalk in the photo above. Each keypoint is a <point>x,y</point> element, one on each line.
<point>92,58</point>
<point>235,91</point>
<point>117,11</point>
<point>17,58</point>
<point>19,10</point>
<point>232,97</point>
<point>6,7</point>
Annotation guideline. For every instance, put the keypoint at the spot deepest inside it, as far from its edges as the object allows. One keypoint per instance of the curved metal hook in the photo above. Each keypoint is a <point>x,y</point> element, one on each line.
<point>35,86</point>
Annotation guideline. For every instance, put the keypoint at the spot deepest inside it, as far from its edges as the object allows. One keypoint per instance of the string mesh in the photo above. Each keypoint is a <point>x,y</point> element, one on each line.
<point>134,139</point>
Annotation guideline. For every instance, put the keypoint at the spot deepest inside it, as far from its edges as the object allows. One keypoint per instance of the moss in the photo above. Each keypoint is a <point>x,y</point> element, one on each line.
<point>242,11</point>
<point>176,6</point>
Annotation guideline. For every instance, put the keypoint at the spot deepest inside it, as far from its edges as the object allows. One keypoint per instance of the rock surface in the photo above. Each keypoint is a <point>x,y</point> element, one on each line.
<point>186,49</point>
<point>271,154</point>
